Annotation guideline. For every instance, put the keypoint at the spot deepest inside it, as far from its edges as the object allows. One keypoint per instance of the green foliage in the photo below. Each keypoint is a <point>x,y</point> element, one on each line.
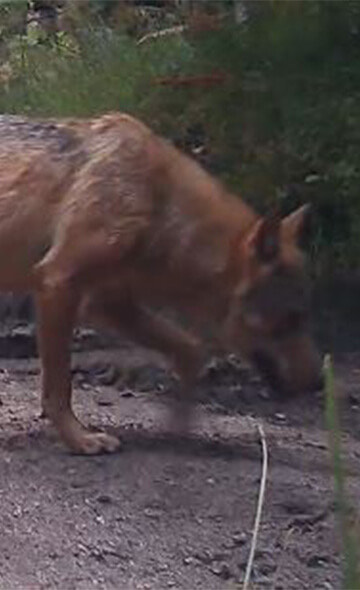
<point>287,122</point>
<point>12,21</point>
<point>284,126</point>
<point>348,520</point>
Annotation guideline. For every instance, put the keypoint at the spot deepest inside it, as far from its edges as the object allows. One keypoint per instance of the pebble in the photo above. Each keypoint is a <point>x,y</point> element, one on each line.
<point>266,567</point>
<point>104,499</point>
<point>317,561</point>
<point>280,417</point>
<point>239,539</point>
<point>222,570</point>
<point>152,513</point>
<point>104,403</point>
<point>188,560</point>
<point>127,393</point>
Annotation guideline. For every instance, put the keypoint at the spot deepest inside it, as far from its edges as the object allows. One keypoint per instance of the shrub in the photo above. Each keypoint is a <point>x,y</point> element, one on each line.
<point>282,124</point>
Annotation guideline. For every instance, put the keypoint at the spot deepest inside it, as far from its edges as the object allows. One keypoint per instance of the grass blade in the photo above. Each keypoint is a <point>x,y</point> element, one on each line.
<point>345,515</point>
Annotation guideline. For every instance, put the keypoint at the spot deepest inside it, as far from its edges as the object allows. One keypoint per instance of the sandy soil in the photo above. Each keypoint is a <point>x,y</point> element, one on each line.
<point>168,512</point>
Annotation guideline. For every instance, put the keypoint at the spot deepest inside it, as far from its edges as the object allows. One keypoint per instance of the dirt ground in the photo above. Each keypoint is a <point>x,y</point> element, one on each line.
<point>166,512</point>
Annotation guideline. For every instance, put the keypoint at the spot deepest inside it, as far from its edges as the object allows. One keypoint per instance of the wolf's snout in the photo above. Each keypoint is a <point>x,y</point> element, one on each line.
<point>290,382</point>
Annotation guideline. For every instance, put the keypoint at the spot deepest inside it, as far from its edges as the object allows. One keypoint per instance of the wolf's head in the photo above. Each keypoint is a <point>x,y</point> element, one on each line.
<point>268,320</point>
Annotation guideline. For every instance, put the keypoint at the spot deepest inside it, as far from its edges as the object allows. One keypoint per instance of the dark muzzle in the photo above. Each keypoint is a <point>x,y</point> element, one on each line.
<point>269,370</point>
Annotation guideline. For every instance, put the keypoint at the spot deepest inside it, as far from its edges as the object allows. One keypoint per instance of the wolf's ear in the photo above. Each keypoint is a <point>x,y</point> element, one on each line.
<point>264,239</point>
<point>293,225</point>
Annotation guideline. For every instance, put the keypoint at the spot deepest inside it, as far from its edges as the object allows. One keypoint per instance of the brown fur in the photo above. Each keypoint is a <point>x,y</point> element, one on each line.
<point>102,219</point>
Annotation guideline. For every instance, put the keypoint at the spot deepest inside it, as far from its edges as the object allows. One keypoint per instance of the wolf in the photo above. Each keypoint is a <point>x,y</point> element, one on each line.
<point>104,221</point>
